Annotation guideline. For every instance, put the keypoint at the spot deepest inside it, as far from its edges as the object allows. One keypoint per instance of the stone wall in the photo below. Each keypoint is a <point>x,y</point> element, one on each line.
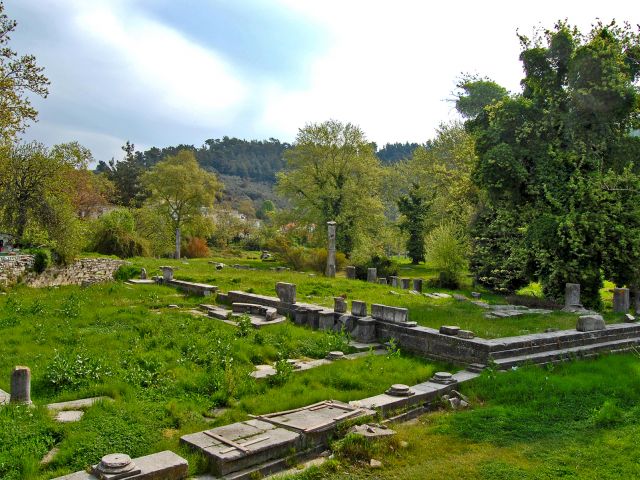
<point>12,267</point>
<point>83,271</point>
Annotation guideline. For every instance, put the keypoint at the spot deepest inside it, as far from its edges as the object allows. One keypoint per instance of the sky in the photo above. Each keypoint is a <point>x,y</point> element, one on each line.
<point>167,72</point>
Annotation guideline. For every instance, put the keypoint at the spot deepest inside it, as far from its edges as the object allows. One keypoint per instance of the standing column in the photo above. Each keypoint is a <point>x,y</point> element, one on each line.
<point>621,300</point>
<point>331,250</point>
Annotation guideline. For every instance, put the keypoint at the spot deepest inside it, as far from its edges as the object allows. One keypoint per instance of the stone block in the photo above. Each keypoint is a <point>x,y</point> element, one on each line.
<point>167,273</point>
<point>590,323</point>
<point>365,330</point>
<point>339,305</point>
<point>395,281</point>
<point>21,385</point>
<point>382,281</point>
<point>417,284</point>
<point>389,314</point>
<point>286,292</point>
<point>351,272</point>
<point>358,308</point>
<point>449,330</point>
<point>466,334</point>
<point>372,275</point>
<point>326,320</point>
<point>405,283</point>
<point>621,300</point>
<point>572,294</point>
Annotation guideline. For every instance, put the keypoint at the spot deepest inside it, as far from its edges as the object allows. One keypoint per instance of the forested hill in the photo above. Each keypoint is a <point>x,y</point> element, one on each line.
<point>256,160</point>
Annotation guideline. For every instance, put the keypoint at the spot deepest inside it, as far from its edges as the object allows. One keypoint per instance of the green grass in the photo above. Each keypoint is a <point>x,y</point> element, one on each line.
<point>580,420</point>
<point>314,288</point>
<point>166,369</point>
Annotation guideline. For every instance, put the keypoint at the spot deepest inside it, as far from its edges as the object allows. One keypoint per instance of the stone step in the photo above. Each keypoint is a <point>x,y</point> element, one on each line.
<point>554,356</point>
<point>561,343</point>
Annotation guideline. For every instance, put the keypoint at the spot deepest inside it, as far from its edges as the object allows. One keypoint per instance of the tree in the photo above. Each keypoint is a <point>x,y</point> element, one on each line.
<point>181,190</point>
<point>126,175</point>
<point>332,173</point>
<point>415,208</point>
<point>34,195</point>
<point>19,75</point>
<point>475,93</point>
<point>558,154</point>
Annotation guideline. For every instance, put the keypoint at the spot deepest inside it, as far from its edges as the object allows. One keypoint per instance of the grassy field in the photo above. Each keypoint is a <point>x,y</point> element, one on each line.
<point>580,420</point>
<point>170,373</point>
<point>317,289</point>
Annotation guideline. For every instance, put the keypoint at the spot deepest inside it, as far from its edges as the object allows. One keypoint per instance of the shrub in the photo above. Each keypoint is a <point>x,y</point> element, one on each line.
<point>74,370</point>
<point>244,325</point>
<point>284,370</point>
<point>115,235</point>
<point>447,253</point>
<point>126,271</point>
<point>196,248</point>
<point>42,259</point>
<point>385,267</point>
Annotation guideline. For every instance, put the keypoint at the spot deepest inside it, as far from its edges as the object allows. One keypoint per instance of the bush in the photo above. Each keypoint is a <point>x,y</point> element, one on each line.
<point>385,267</point>
<point>115,235</point>
<point>126,272</point>
<point>447,253</point>
<point>196,248</point>
<point>42,259</point>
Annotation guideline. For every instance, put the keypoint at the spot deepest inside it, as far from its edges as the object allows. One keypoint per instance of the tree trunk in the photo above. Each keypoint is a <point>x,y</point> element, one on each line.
<point>21,223</point>
<point>177,243</point>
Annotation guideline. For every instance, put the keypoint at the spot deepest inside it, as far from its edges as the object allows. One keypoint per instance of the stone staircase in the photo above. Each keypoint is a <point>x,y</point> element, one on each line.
<point>555,347</point>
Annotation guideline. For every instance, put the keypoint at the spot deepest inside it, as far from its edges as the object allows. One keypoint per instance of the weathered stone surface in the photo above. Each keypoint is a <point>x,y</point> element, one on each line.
<point>466,334</point>
<point>167,273</point>
<point>399,390</point>
<point>365,330</point>
<point>372,275</point>
<point>395,281</point>
<point>371,431</point>
<point>158,466</point>
<point>405,283</point>
<point>621,300</point>
<point>382,281</point>
<point>339,305</point>
<point>443,378</point>
<point>326,320</point>
<point>331,250</point>
<point>78,404</point>
<point>358,308</point>
<point>351,272</point>
<point>286,292</point>
<point>4,397</point>
<point>335,355</point>
<point>21,385</point>
<point>417,285</point>
<point>572,294</point>
<point>449,330</point>
<point>373,463</point>
<point>67,416</point>
<point>476,295</point>
<point>143,273</point>
<point>389,314</point>
<point>589,323</point>
<point>629,318</point>
<point>13,266</point>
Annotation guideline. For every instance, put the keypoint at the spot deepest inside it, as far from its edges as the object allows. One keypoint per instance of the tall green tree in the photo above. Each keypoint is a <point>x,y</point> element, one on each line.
<point>19,76</point>
<point>414,207</point>
<point>181,191</point>
<point>332,173</point>
<point>556,152</point>
<point>475,93</point>
<point>126,175</point>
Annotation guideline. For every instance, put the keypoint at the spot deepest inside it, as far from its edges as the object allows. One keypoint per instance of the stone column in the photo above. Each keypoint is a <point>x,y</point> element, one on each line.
<point>395,281</point>
<point>331,250</point>
<point>417,284</point>
<point>635,294</point>
<point>351,272</point>
<point>286,292</point>
<point>339,305</point>
<point>21,385</point>
<point>405,283</point>
<point>571,294</point>
<point>621,300</point>
<point>372,275</point>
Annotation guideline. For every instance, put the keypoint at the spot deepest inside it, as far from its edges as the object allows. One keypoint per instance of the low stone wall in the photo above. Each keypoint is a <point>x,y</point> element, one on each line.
<point>12,267</point>
<point>82,272</point>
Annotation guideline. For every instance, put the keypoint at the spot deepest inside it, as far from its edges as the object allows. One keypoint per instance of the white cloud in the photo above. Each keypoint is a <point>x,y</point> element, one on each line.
<point>159,68</point>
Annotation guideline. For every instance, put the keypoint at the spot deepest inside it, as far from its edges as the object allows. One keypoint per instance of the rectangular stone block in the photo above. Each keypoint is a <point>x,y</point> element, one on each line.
<point>405,282</point>
<point>590,323</point>
<point>326,320</point>
<point>382,281</point>
<point>389,314</point>
<point>358,308</point>
<point>351,272</point>
<point>621,300</point>
<point>339,305</point>
<point>286,292</point>
<point>395,281</point>
<point>417,284</point>
<point>365,330</point>
<point>372,274</point>
<point>449,330</point>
